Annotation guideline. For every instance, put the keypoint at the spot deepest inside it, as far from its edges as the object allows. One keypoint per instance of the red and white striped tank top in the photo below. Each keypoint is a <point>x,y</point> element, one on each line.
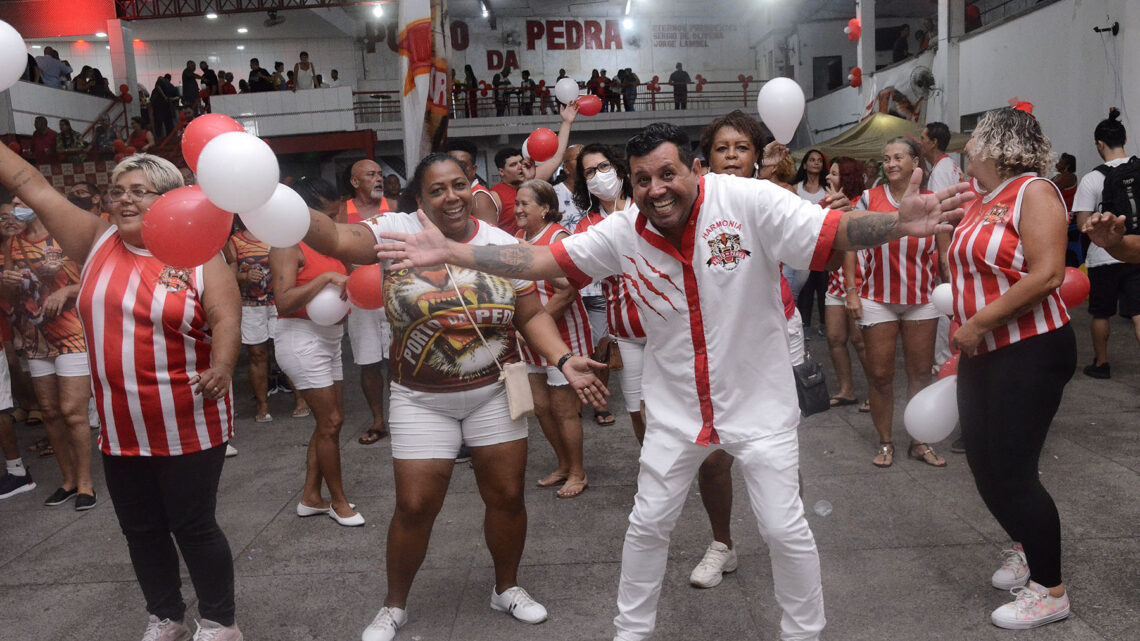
<point>900,272</point>
<point>621,313</point>
<point>147,338</point>
<point>986,259</point>
<point>574,326</point>
<point>477,187</point>
<point>836,280</point>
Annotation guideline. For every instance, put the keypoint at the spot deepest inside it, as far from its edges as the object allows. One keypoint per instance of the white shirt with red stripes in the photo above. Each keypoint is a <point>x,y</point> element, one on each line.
<point>621,312</point>
<point>836,281</point>
<point>148,338</point>
<point>574,324</point>
<point>901,272</point>
<point>717,366</point>
<point>987,258</point>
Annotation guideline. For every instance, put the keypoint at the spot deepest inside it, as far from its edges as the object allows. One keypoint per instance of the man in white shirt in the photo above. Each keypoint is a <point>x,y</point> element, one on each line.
<point>51,69</point>
<point>1114,286</point>
<point>334,79</point>
<point>718,372</point>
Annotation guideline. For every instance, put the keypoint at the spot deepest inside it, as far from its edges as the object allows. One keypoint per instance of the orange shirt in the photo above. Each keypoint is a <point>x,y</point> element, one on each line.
<point>44,271</point>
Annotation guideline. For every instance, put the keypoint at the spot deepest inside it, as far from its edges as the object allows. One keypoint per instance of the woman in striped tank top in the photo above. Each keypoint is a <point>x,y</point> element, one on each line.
<point>894,300</point>
<point>556,404</point>
<point>162,342</point>
<point>1007,260</point>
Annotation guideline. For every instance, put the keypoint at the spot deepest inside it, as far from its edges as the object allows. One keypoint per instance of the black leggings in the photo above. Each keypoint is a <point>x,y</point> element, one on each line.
<point>814,292</point>
<point>1006,402</point>
<point>157,496</point>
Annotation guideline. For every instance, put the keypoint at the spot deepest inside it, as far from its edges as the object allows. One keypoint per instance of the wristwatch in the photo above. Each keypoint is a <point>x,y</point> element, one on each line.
<point>562,361</point>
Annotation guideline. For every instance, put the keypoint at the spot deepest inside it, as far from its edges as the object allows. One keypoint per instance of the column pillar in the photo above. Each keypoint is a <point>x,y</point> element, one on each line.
<point>123,61</point>
<point>951,26</point>
<point>865,50</point>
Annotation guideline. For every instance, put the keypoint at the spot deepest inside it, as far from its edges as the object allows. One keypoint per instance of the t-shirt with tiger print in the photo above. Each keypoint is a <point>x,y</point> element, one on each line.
<point>434,346</point>
<point>253,259</point>
<point>43,270</point>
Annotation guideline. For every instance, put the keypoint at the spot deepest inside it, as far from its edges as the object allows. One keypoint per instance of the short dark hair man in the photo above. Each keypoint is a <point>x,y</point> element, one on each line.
<point>509,162</point>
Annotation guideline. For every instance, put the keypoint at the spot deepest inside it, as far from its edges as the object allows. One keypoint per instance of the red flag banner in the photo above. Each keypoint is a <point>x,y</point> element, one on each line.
<point>423,63</point>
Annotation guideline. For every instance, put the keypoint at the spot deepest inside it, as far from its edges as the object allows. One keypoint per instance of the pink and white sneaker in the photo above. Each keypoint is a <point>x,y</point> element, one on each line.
<point>1032,607</point>
<point>1014,570</point>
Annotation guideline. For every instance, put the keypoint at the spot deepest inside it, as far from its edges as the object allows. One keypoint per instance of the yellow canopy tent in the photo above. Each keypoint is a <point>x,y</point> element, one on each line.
<point>866,139</point>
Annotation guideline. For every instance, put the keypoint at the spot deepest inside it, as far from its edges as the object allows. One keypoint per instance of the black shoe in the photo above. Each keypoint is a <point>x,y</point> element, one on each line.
<point>1098,371</point>
<point>11,485</point>
<point>84,502</point>
<point>958,446</point>
<point>464,454</point>
<point>61,496</point>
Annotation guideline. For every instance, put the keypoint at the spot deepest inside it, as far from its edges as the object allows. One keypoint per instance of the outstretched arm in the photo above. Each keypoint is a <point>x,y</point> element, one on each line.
<point>350,244</point>
<point>919,215</point>
<point>431,247</point>
<point>1107,231</point>
<point>546,170</point>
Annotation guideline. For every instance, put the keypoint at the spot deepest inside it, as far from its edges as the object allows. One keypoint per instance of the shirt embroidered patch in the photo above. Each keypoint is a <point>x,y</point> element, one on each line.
<point>727,252</point>
<point>996,215</point>
<point>174,279</point>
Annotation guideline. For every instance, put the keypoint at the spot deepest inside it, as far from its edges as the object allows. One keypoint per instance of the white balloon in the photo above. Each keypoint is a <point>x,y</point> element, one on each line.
<point>781,106</point>
<point>943,299</point>
<point>566,90</point>
<point>13,56</point>
<point>282,221</point>
<point>932,414</point>
<point>238,171</point>
<point>525,148</point>
<point>327,307</point>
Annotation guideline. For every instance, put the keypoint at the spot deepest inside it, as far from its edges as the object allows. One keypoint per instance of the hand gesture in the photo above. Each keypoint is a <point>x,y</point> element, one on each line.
<point>928,214</point>
<point>835,199</point>
<point>1104,229</point>
<point>774,154</point>
<point>213,383</point>
<point>569,112</point>
<point>427,248</point>
<point>579,371</point>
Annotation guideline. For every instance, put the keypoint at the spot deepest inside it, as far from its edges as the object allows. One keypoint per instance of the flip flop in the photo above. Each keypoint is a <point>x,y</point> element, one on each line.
<point>302,413</point>
<point>371,436</point>
<point>865,407</point>
<point>550,480</point>
<point>264,418</point>
<point>573,488</point>
<point>47,452</point>
<point>603,418</point>
<point>839,401</point>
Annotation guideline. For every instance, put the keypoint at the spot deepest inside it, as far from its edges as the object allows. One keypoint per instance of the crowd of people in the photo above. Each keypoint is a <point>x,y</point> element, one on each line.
<point>604,258</point>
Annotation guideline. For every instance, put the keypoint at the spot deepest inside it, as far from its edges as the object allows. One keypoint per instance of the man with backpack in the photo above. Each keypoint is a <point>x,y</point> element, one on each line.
<point>1115,286</point>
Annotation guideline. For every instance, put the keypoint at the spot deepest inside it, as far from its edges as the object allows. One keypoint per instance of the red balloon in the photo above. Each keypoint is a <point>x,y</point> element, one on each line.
<point>119,145</point>
<point>365,287</point>
<point>589,105</point>
<point>950,367</point>
<point>202,130</point>
<point>15,146</point>
<point>184,229</point>
<point>130,150</point>
<point>123,88</point>
<point>1075,288</point>
<point>128,98</point>
<point>542,144</point>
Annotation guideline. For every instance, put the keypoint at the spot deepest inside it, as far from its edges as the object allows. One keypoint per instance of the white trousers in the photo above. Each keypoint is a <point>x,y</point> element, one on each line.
<point>770,465</point>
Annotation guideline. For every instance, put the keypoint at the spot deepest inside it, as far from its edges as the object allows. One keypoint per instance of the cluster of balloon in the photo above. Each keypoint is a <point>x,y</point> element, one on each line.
<point>541,144</point>
<point>1075,288</point>
<point>932,414</point>
<point>781,106</point>
<point>566,90</point>
<point>365,287</point>
<point>180,215</point>
<point>13,56</point>
<point>328,306</point>
<point>589,105</point>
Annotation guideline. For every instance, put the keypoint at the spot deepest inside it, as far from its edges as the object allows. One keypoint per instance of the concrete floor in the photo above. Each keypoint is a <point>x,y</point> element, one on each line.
<point>906,553</point>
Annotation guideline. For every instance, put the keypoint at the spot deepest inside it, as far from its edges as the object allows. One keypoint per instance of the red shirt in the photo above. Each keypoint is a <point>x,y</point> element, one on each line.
<point>43,146</point>
<point>902,271</point>
<point>507,207</point>
<point>315,265</point>
<point>354,213</point>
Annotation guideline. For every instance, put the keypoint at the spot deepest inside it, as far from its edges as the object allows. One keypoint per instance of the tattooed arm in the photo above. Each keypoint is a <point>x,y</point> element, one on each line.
<point>918,215</point>
<point>350,244</point>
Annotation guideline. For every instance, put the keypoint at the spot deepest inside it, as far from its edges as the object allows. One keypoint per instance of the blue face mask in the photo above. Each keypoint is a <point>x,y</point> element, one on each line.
<point>23,214</point>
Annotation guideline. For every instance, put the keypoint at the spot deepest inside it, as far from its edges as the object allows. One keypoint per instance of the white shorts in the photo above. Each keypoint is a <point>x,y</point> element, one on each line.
<point>427,425</point>
<point>309,353</point>
<point>5,384</point>
<point>258,323</point>
<point>875,312</point>
<point>830,300</point>
<point>632,363</point>
<point>370,335</point>
<point>554,376</point>
<point>62,365</point>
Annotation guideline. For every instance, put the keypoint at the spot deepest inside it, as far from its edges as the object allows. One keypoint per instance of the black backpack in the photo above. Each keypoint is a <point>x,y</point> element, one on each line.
<point>1121,194</point>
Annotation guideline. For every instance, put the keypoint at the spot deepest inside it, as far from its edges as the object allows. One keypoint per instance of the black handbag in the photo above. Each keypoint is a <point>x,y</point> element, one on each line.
<point>811,387</point>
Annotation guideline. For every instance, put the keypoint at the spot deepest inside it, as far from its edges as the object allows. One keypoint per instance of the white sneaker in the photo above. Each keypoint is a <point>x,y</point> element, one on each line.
<point>385,624</point>
<point>1014,570</point>
<point>516,602</point>
<point>231,451</point>
<point>718,560</point>
<point>1032,607</point>
<point>165,630</point>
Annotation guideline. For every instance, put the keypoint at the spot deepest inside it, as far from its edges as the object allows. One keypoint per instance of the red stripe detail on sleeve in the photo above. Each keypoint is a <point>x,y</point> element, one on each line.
<point>826,240</point>
<point>578,278</point>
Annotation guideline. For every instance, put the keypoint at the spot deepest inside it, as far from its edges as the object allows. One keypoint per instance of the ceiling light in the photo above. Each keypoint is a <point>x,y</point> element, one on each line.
<point>486,13</point>
<point>241,47</point>
<point>211,16</point>
<point>628,5</point>
<point>37,46</point>
<point>378,10</point>
<point>627,23</point>
<point>100,34</point>
<point>242,30</point>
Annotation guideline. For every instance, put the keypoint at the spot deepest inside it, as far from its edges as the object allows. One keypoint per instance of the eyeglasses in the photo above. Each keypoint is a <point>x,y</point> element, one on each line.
<point>604,166</point>
<point>116,193</point>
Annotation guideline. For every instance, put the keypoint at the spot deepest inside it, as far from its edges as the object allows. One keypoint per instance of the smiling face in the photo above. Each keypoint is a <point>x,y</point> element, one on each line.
<point>665,188</point>
<point>126,211</point>
<point>9,226</point>
<point>733,153</point>
<point>898,164</point>
<point>529,215</point>
<point>446,199</point>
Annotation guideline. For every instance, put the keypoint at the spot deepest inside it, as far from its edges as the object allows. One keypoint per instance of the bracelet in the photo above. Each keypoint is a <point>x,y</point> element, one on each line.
<point>851,289</point>
<point>562,361</point>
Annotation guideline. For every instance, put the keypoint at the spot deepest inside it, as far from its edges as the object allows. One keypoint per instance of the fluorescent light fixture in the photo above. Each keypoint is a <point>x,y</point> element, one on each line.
<point>242,30</point>
<point>211,16</point>
<point>100,34</point>
<point>628,6</point>
<point>627,23</point>
<point>241,47</point>
<point>378,10</point>
<point>37,46</point>
<point>486,13</point>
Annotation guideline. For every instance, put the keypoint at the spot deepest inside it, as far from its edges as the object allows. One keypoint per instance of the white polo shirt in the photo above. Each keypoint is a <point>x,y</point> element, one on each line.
<point>717,367</point>
<point>945,173</point>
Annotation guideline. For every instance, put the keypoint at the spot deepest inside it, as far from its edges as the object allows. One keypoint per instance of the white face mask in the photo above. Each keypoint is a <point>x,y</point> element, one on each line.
<point>605,185</point>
